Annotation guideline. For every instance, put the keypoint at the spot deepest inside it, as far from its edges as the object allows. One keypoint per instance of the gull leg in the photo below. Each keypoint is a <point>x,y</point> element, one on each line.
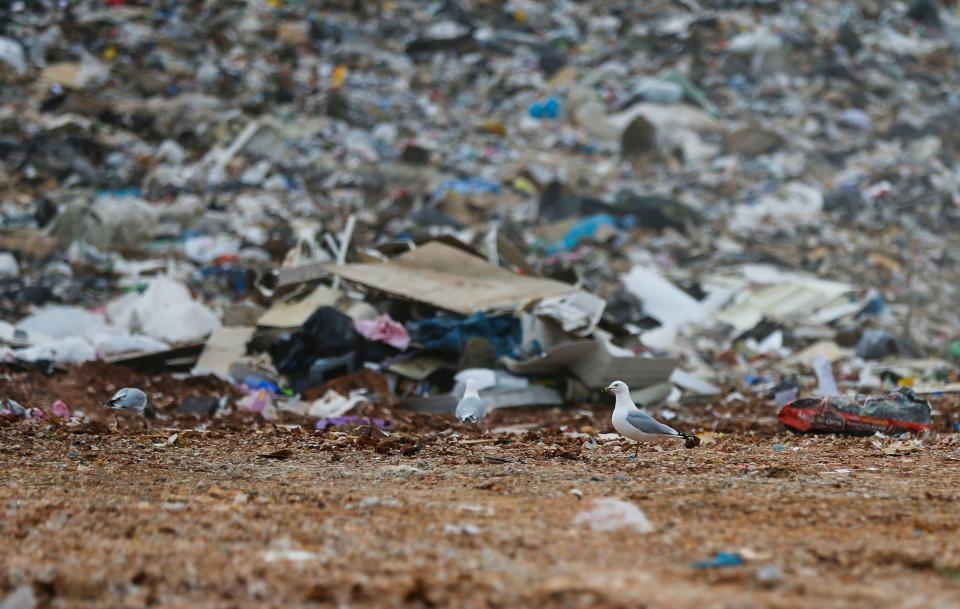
<point>636,451</point>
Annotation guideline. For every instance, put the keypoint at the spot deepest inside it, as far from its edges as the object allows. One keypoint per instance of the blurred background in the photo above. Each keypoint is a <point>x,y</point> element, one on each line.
<point>739,186</point>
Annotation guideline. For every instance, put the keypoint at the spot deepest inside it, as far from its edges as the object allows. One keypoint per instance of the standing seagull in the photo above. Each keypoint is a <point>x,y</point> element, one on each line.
<point>471,408</point>
<point>128,398</point>
<point>633,423</point>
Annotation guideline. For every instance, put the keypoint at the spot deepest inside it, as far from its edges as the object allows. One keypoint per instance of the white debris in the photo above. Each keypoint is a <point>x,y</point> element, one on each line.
<point>611,514</point>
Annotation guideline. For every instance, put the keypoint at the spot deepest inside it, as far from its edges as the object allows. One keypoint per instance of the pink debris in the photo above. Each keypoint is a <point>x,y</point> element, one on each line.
<point>385,330</point>
<point>59,409</point>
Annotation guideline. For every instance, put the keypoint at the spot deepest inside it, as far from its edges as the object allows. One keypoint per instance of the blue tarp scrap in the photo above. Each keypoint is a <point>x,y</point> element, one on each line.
<point>450,335</point>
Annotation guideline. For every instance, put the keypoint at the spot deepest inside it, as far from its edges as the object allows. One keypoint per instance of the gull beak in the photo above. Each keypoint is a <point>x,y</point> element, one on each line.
<point>608,389</point>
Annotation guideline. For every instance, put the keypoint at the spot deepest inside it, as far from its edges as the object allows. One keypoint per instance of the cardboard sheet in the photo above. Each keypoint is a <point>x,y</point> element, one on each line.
<point>223,348</point>
<point>292,315</point>
<point>595,366</point>
<point>420,367</point>
<point>450,279</point>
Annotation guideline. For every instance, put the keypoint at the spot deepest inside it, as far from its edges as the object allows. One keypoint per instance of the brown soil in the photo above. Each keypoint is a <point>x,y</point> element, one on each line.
<point>244,513</point>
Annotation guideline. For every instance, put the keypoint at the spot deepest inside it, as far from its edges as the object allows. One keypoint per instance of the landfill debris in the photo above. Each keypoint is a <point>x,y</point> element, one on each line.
<point>898,412</point>
<point>607,514</point>
<point>595,364</point>
<point>452,335</point>
<point>334,405</point>
<point>769,574</point>
<point>290,555</point>
<point>223,348</point>
<point>205,405</point>
<point>218,209</point>
<point>878,344</point>
<point>384,329</point>
<point>720,560</point>
<point>450,279</point>
<point>826,384</point>
<point>274,218</point>
<point>60,409</point>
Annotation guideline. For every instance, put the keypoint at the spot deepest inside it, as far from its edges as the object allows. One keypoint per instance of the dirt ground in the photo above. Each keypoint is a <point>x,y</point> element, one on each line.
<point>251,514</point>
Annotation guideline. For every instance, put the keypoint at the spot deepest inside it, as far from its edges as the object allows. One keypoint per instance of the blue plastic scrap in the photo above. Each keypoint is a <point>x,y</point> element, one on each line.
<point>548,108</point>
<point>450,335</point>
<point>466,186</point>
<point>719,561</point>
<point>583,229</point>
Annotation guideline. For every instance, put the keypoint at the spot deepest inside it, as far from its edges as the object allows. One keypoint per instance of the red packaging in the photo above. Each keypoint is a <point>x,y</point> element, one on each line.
<point>817,414</point>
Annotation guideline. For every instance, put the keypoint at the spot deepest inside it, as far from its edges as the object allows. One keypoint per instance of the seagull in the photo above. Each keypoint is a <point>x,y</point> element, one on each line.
<point>471,408</point>
<point>633,423</point>
<point>128,398</point>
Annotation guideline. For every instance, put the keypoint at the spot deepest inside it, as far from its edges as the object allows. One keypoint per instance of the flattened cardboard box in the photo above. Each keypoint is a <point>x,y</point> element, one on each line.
<point>450,279</point>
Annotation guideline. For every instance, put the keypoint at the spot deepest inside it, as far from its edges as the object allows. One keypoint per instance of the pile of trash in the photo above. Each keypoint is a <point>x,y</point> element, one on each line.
<point>355,203</point>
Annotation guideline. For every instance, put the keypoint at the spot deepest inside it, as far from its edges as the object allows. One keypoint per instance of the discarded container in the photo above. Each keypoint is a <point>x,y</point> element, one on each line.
<point>898,412</point>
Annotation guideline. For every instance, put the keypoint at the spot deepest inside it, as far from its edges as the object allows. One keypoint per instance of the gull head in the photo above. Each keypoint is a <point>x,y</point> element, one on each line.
<point>617,388</point>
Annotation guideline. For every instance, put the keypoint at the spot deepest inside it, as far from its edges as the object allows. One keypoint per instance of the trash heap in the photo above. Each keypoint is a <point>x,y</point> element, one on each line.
<point>329,206</point>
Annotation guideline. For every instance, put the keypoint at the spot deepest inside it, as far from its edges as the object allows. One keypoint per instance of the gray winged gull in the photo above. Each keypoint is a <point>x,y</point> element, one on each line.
<point>470,409</point>
<point>128,398</point>
<point>633,423</point>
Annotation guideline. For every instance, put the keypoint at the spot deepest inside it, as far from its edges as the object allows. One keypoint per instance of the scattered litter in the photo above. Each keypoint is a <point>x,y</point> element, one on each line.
<point>611,514</point>
<point>720,560</point>
<point>769,574</point>
<point>461,529</point>
<point>377,501</point>
<point>289,555</point>
<point>60,409</point>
